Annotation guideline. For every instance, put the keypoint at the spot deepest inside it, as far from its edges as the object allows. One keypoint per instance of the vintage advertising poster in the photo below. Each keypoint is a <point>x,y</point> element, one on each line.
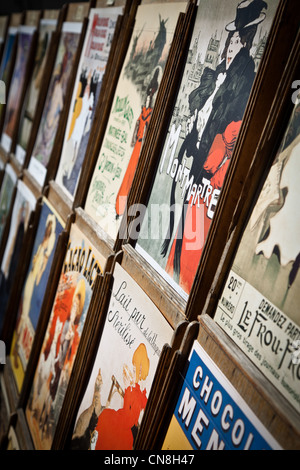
<point>259,306</point>
<point>225,50</point>
<point>24,204</point>
<point>25,36</point>
<point>54,101</point>
<point>116,395</point>
<point>131,112</point>
<point>95,52</point>
<point>6,62</point>
<point>6,193</point>
<point>210,414</point>
<point>49,227</point>
<point>13,443</point>
<point>47,26</point>
<point>81,266</point>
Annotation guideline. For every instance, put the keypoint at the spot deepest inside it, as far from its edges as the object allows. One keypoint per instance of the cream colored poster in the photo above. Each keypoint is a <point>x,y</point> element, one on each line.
<point>81,266</point>
<point>131,112</point>
<point>88,83</point>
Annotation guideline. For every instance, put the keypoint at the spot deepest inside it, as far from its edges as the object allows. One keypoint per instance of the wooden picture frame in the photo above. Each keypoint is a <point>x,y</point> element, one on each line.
<point>116,165</point>
<point>18,436</point>
<point>113,69</point>
<point>90,344</point>
<point>100,42</point>
<point>228,217</point>
<point>163,255</point>
<point>47,43</point>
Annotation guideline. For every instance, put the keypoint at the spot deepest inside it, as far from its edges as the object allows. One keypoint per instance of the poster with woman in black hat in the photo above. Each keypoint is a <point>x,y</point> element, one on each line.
<point>225,51</point>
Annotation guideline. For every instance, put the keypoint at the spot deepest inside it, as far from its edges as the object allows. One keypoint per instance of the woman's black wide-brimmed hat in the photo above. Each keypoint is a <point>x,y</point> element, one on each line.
<point>248,13</point>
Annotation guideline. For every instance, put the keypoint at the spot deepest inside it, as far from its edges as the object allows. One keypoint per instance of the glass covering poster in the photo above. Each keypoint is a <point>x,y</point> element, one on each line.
<point>259,306</point>
<point>86,92</point>
<point>25,36</point>
<point>131,112</point>
<point>49,227</point>
<point>24,204</point>
<point>225,50</point>
<point>211,415</point>
<point>81,266</point>
<point>6,62</point>
<point>116,395</point>
<point>45,30</point>
<point>54,101</point>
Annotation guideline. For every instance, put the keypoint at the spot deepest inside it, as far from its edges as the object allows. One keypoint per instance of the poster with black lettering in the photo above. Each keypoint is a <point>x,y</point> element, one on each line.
<point>117,392</point>
<point>225,51</point>
<point>131,112</point>
<point>25,37</point>
<point>81,266</point>
<point>54,101</point>
<point>259,306</point>
<point>91,69</point>
<point>46,28</point>
<point>211,415</point>
<point>24,204</point>
<point>49,227</point>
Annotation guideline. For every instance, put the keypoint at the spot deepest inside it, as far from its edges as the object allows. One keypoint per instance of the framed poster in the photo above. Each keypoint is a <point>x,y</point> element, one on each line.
<point>24,204</point>
<point>80,269</point>
<point>25,37</point>
<point>7,63</point>
<point>3,30</point>
<point>13,443</point>
<point>131,112</point>
<point>133,336</point>
<point>259,305</point>
<point>225,51</point>
<point>211,415</point>
<point>53,106</point>
<point>88,83</point>
<point>6,194</point>
<point>18,437</point>
<point>46,28</point>
<point>49,227</point>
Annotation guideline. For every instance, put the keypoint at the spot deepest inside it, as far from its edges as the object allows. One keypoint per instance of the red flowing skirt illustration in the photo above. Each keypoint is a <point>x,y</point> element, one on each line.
<point>216,164</point>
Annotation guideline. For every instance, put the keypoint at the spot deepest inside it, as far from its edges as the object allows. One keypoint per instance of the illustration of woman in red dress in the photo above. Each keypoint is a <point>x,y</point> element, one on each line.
<point>137,140</point>
<point>217,107</point>
<point>102,428</point>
